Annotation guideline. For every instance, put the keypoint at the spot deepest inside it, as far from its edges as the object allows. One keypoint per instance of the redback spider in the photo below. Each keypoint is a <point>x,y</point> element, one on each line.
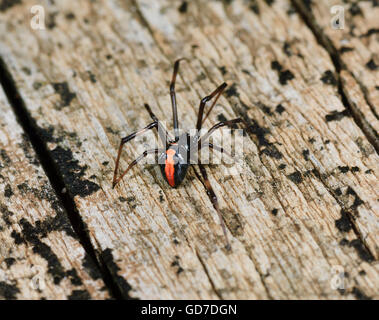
<point>174,160</point>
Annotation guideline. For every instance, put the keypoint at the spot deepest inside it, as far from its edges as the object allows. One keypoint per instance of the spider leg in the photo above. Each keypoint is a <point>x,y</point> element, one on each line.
<point>143,155</point>
<point>203,102</point>
<point>215,147</point>
<point>219,125</point>
<point>128,138</point>
<point>212,196</point>
<point>162,132</point>
<point>173,98</point>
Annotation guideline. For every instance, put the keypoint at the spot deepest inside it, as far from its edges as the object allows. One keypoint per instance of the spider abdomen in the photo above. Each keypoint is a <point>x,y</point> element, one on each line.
<point>174,168</point>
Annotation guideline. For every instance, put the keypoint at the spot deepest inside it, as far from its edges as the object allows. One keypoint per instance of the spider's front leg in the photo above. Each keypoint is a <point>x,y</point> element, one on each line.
<point>212,196</point>
<point>143,155</point>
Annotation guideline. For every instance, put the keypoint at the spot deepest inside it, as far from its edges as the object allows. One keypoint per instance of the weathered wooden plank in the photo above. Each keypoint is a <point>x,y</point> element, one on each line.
<point>40,255</point>
<point>355,45</point>
<point>306,203</point>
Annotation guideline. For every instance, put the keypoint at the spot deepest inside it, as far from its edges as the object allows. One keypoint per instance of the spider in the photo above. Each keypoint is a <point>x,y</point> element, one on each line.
<point>174,160</point>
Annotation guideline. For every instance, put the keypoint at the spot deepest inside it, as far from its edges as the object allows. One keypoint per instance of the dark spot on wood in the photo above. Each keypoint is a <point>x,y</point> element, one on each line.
<point>370,32</point>
<point>269,2</point>
<point>32,235</point>
<point>6,214</point>
<point>344,49</point>
<point>176,263</point>
<point>105,163</point>
<point>233,222</point>
<point>284,75</point>
<point>344,242</point>
<point>50,21</point>
<point>362,251</point>
<point>17,237</point>
<point>362,273</point>
<point>372,65</point>
<point>6,4</point>
<point>274,211</point>
<point>259,132</point>
<point>327,141</point>
<point>355,169</point>
<point>223,70</point>
<point>9,262</point>
<point>26,71</point>
<point>359,294</point>
<point>343,169</point>
<point>89,265</point>
<point>64,92</point>
<point>368,171</point>
<point>328,78</point>
<point>183,7</point>
<point>8,192</point>
<point>254,6</point>
<point>337,115</point>
<point>287,48</point>
<point>355,9</point>
<point>79,295</point>
<point>272,152</point>
<point>47,134</point>
<point>291,10</point>
<point>343,224</point>
<point>74,278</point>
<point>121,199</point>
<point>232,91</point>
<point>308,4</point>
<point>70,16</point>
<point>275,65</point>
<point>221,117</point>
<point>60,221</point>
<point>282,166</point>
<point>312,140</point>
<point>130,199</point>
<point>37,85</point>
<point>357,201</point>
<point>295,177</point>
<point>264,108</point>
<point>341,291</point>
<point>8,291</point>
<point>91,76</point>
<point>306,154</point>
<point>123,285</point>
<point>108,57</point>
<point>73,173</point>
<point>6,160</point>
<point>338,192</point>
<point>280,109</point>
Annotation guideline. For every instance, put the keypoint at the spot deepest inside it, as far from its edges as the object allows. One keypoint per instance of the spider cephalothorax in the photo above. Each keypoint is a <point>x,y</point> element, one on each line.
<point>179,153</point>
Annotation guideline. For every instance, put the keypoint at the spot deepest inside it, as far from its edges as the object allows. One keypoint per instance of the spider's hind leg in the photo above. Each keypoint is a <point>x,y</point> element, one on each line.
<point>212,196</point>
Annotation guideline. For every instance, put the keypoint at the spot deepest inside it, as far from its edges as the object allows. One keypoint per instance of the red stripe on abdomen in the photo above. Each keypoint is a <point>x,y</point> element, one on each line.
<point>169,167</point>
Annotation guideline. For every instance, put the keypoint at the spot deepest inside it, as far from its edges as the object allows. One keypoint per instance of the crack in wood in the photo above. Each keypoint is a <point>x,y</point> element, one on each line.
<point>29,126</point>
<point>324,41</point>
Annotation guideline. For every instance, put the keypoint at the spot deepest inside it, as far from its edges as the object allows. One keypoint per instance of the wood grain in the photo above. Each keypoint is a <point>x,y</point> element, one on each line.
<point>355,48</point>
<point>305,204</point>
<point>40,255</point>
